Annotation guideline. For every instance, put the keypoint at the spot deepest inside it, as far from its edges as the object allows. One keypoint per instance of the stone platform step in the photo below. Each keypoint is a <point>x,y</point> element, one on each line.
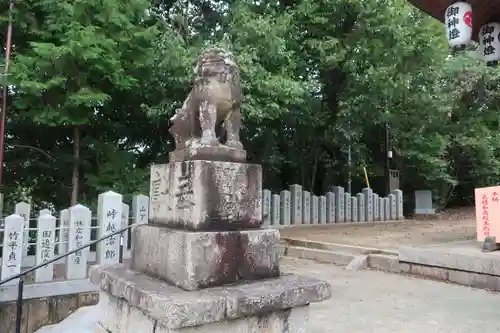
<point>351,259</point>
<point>340,258</point>
<point>463,256</point>
<point>458,262</point>
<point>351,256</point>
<point>335,246</point>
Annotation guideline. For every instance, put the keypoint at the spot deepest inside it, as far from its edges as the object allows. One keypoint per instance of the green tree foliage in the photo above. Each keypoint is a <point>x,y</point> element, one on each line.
<point>94,83</point>
<point>80,77</point>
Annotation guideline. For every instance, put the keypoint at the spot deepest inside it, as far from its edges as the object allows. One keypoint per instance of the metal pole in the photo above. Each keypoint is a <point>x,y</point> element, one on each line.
<point>349,179</point>
<point>4,92</point>
<point>120,254</point>
<point>19,314</point>
<point>387,161</point>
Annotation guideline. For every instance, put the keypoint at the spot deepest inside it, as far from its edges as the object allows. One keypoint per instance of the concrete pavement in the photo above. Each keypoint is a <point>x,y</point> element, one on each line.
<point>373,302</point>
<point>376,302</point>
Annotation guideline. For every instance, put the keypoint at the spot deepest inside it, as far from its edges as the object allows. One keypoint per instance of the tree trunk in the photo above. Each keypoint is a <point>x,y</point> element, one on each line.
<point>314,166</point>
<point>76,161</point>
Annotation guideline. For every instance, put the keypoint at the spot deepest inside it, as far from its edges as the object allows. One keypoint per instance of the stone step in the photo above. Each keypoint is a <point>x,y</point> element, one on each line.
<point>340,258</point>
<point>349,257</point>
<point>335,246</point>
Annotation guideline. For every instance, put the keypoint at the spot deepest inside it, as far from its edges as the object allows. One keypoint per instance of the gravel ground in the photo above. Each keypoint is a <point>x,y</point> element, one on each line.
<point>370,301</point>
<point>388,235</point>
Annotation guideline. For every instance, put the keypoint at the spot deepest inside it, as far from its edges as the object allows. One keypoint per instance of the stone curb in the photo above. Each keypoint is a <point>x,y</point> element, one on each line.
<point>335,246</point>
<point>322,256</point>
<point>349,257</point>
<point>474,262</point>
<point>387,261</point>
<point>464,278</point>
<point>384,262</point>
<point>333,225</point>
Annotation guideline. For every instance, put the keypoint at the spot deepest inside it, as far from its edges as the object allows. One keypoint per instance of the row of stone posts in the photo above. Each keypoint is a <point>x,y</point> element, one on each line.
<point>74,231</point>
<point>296,206</point>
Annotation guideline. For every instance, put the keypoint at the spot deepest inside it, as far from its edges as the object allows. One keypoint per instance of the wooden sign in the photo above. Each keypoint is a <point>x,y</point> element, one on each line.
<point>488,212</point>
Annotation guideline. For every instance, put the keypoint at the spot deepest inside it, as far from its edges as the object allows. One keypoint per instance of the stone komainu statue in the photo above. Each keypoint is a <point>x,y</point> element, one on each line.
<point>214,100</point>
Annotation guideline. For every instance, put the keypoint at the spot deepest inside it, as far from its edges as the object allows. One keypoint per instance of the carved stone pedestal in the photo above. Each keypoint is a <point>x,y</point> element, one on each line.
<point>203,264</point>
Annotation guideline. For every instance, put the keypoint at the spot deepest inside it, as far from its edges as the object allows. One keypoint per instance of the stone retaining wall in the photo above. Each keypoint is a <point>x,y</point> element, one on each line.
<point>39,312</point>
<point>45,303</point>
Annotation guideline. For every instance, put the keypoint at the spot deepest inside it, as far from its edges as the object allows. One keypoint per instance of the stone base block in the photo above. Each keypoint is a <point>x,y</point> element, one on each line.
<point>425,211</point>
<point>194,260</point>
<point>206,195</point>
<point>120,317</point>
<point>132,302</point>
<point>209,153</point>
<point>490,244</point>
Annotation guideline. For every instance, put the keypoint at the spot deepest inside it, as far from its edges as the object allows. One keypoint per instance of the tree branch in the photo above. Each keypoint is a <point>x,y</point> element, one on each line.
<point>33,148</point>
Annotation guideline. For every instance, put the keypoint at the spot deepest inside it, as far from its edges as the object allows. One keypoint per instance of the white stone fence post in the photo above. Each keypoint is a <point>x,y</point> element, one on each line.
<point>24,247</point>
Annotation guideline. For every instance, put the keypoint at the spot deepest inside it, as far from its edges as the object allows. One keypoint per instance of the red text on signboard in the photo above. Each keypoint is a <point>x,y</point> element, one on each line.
<point>485,213</point>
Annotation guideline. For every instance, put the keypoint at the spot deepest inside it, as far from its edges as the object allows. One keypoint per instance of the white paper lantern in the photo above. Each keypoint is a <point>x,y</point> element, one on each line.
<point>490,43</point>
<point>458,23</point>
